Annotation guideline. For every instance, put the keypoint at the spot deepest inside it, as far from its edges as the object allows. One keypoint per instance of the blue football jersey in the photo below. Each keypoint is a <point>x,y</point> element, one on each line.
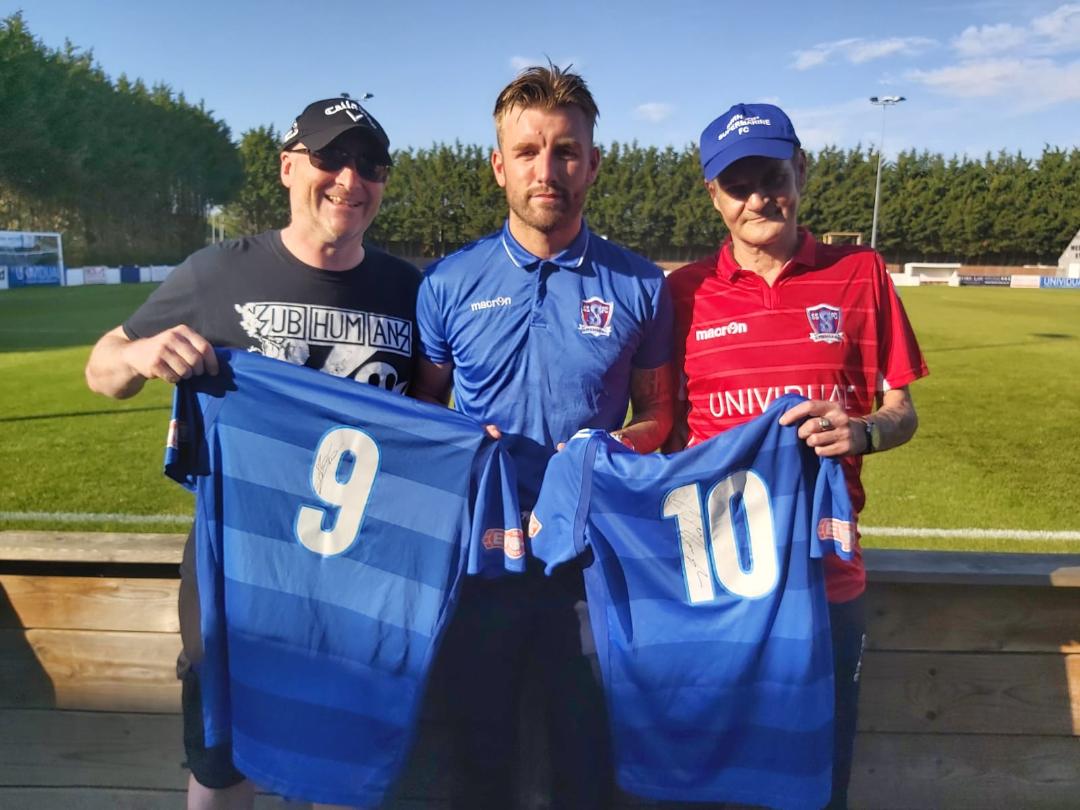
<point>544,347</point>
<point>334,523</point>
<point>707,599</point>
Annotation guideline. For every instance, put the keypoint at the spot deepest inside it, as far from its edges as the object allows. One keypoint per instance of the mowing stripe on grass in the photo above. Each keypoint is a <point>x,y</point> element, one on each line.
<point>92,517</point>
<point>22,330</point>
<point>877,531</point>
<point>968,534</point>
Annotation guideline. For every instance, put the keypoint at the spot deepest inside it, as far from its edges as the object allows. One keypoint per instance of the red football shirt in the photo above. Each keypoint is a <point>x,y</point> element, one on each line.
<point>831,327</point>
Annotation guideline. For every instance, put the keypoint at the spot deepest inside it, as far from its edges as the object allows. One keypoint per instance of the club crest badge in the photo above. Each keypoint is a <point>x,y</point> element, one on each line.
<point>511,541</point>
<point>841,532</point>
<point>596,317</point>
<point>824,323</point>
<point>177,435</point>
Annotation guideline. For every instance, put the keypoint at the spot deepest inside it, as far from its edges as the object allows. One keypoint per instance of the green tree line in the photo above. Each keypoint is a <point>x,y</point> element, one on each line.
<point>124,171</point>
<point>1002,209</point>
<point>128,173</point>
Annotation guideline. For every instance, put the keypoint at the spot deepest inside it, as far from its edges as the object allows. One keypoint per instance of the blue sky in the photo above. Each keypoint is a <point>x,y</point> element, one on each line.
<point>979,76</point>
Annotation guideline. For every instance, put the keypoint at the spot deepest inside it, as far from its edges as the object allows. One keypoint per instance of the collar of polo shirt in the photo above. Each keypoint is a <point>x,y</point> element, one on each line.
<point>569,259</point>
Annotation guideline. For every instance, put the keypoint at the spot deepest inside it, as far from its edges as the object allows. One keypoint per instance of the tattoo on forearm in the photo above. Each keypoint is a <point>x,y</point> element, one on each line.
<point>651,387</point>
<point>651,395</point>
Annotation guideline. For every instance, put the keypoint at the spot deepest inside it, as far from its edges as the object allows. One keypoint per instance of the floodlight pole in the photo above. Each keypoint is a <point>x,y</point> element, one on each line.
<point>884,102</point>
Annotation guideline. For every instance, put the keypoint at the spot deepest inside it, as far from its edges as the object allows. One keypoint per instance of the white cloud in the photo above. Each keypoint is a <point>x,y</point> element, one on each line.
<point>1027,84</point>
<point>653,111</point>
<point>1060,29</point>
<point>857,50</point>
<point>973,79</point>
<point>820,53</point>
<point>976,41</point>
<point>1056,32</point>
<point>804,60</point>
<point>878,49</point>
<point>1020,64</point>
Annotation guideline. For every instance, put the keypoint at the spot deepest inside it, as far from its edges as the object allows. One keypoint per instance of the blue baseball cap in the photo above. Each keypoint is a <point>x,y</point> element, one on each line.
<point>747,130</point>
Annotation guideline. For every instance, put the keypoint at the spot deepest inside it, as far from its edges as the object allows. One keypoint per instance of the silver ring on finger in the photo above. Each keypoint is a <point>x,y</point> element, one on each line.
<point>824,423</point>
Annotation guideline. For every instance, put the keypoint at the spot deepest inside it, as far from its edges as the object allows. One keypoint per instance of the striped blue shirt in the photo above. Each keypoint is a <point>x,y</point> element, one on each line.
<point>707,601</point>
<point>334,523</point>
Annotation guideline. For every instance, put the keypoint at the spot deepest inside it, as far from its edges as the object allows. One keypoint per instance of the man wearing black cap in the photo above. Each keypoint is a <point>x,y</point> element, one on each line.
<point>312,294</point>
<point>775,312</point>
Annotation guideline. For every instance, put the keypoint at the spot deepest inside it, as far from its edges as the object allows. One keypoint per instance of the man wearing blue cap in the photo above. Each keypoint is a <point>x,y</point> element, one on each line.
<point>776,312</point>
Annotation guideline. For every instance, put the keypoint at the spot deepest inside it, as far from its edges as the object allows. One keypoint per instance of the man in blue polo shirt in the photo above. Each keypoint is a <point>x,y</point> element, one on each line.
<point>543,328</point>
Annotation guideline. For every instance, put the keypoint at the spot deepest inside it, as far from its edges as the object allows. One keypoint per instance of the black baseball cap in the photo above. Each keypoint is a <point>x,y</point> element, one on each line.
<point>322,121</point>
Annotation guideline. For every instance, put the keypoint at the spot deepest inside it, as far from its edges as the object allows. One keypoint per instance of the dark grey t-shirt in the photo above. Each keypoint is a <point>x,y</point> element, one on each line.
<point>251,293</point>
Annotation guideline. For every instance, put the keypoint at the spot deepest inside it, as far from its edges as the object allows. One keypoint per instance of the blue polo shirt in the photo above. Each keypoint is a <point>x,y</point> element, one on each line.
<point>544,347</point>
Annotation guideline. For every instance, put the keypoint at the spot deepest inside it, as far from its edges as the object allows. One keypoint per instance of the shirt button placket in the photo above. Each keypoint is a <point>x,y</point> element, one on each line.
<point>539,292</point>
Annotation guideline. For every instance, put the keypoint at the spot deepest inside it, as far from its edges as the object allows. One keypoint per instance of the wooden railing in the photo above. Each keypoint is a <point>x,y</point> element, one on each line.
<point>970,696</point>
<point>971,688</point>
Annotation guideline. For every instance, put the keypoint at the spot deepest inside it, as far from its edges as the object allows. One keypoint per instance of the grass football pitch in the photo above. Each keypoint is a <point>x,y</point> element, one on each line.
<point>997,448</point>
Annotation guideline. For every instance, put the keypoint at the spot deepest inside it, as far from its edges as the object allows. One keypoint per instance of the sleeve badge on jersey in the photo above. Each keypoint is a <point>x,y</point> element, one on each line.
<point>177,434</point>
<point>534,525</point>
<point>824,323</point>
<point>836,531</point>
<point>596,317</point>
<point>511,541</point>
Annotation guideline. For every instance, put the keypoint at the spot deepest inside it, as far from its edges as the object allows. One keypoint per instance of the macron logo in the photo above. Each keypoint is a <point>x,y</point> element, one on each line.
<point>733,328</point>
<point>491,303</point>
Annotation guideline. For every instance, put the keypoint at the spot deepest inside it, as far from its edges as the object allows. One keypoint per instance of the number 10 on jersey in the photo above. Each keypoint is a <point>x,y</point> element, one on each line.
<point>727,535</point>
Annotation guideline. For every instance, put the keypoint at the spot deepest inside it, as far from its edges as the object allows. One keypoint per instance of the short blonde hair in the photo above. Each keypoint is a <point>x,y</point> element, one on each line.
<point>546,88</point>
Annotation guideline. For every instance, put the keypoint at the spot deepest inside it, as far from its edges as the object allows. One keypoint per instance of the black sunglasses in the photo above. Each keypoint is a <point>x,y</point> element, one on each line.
<point>333,159</point>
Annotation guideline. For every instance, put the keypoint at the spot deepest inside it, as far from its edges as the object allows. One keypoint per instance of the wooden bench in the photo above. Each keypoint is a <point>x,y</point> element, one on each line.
<point>971,682</point>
